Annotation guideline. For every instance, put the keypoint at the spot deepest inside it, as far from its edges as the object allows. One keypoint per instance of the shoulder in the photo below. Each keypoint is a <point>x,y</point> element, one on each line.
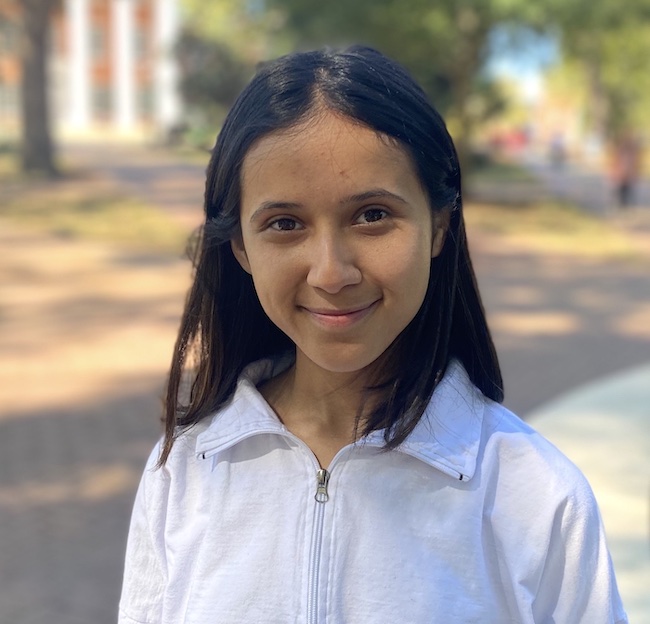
<point>543,517</point>
<point>531,479</point>
<point>245,413</point>
<point>178,473</point>
<point>508,439</point>
<point>517,448</point>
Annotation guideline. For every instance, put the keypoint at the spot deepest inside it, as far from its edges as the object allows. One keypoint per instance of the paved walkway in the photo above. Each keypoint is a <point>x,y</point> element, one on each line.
<point>85,338</point>
<point>586,187</point>
<point>604,427</point>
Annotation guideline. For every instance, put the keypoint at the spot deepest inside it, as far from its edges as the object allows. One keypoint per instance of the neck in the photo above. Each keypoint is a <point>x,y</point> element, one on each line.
<point>316,403</point>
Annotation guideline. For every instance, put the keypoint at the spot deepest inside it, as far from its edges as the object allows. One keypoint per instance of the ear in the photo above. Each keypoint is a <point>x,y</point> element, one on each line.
<point>239,251</point>
<point>440,227</point>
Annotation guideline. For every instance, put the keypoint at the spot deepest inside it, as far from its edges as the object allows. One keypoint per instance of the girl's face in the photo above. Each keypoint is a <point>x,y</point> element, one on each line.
<point>337,234</point>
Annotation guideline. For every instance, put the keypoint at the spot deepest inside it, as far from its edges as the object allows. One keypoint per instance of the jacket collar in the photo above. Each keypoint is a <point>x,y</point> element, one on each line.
<point>447,436</point>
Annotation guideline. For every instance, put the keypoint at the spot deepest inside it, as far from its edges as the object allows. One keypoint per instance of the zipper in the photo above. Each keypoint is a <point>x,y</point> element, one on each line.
<point>322,478</point>
<point>321,497</point>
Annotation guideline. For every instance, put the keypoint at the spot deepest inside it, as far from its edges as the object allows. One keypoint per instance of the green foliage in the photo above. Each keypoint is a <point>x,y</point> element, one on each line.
<point>212,74</point>
<point>612,42</point>
<point>252,31</point>
<point>221,44</point>
<point>445,44</point>
<point>625,77</point>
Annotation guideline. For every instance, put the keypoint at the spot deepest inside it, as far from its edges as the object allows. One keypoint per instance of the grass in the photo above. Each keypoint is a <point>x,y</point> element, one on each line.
<point>9,168</point>
<point>551,227</point>
<point>495,171</point>
<point>85,208</point>
<point>191,155</point>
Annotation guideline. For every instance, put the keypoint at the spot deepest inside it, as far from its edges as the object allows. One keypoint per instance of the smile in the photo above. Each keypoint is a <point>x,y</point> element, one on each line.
<point>341,318</point>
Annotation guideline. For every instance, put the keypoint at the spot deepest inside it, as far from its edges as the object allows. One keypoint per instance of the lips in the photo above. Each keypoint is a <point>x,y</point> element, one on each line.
<point>342,318</point>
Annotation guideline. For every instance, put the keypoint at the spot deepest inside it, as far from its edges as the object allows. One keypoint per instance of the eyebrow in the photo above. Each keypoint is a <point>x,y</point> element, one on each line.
<point>372,194</point>
<point>356,198</point>
<point>273,205</point>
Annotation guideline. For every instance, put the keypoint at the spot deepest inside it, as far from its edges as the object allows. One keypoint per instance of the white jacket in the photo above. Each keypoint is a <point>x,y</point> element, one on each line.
<point>475,518</point>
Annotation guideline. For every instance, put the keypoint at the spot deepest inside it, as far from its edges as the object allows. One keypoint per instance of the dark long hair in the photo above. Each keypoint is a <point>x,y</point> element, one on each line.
<point>224,327</point>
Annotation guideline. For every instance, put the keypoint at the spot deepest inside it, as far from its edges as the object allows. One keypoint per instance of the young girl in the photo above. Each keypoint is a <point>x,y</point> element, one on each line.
<point>341,455</point>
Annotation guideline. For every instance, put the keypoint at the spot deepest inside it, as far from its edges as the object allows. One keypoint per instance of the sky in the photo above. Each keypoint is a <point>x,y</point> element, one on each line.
<point>522,57</point>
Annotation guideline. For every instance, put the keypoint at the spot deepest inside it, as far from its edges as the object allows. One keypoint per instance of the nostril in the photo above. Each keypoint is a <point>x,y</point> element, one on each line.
<point>332,277</point>
<point>332,263</point>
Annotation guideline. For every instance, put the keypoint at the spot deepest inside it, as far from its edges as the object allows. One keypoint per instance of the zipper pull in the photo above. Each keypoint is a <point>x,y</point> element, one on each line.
<point>322,477</point>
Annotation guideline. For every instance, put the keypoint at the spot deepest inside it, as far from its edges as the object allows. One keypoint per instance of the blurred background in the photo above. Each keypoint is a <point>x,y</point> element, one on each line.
<point>108,111</point>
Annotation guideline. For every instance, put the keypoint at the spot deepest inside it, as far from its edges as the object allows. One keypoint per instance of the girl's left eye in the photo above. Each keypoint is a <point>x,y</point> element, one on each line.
<point>284,224</point>
<point>372,215</point>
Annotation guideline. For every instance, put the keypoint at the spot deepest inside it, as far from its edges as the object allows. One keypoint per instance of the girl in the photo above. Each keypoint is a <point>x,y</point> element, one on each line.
<point>341,454</point>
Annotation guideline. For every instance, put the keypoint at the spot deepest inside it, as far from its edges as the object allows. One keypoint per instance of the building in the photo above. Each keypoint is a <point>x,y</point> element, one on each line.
<point>111,67</point>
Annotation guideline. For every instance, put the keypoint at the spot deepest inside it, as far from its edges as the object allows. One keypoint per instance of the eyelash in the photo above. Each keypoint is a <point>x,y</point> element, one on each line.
<point>274,225</point>
<point>375,210</point>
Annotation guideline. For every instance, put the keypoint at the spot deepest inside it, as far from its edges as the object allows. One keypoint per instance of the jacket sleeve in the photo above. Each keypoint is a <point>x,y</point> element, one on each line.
<point>145,573</point>
<point>578,584</point>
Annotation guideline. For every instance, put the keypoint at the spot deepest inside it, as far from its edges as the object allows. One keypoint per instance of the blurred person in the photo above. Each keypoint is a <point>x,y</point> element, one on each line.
<point>625,167</point>
<point>342,454</point>
<point>557,150</point>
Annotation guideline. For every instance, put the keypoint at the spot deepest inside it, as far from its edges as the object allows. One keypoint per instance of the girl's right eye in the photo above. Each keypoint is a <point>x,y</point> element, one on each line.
<point>284,224</point>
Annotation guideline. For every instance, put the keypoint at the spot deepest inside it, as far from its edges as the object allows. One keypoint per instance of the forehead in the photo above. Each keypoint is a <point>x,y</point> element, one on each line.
<point>326,152</point>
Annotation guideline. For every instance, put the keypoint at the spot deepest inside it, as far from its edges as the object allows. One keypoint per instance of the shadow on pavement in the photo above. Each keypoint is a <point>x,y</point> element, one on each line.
<point>67,482</point>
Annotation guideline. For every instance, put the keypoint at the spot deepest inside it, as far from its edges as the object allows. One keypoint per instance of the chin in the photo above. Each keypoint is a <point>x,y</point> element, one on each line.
<point>342,364</point>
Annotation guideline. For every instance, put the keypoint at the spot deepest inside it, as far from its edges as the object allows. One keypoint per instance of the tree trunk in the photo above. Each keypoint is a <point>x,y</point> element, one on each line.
<point>37,148</point>
<point>473,30</point>
<point>600,106</point>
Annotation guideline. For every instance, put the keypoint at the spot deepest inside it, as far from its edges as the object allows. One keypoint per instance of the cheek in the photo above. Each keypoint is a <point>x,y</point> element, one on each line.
<point>406,267</point>
<point>275,282</point>
<point>272,302</point>
<point>264,266</point>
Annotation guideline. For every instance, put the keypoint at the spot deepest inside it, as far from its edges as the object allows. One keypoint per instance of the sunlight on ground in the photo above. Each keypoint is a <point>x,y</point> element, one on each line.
<point>594,299</point>
<point>80,319</point>
<point>539,323</point>
<point>636,324</point>
<point>552,228</point>
<point>88,485</point>
<point>522,295</point>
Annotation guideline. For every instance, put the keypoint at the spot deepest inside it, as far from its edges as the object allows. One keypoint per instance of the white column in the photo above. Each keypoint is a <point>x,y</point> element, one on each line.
<point>123,50</point>
<point>78,23</point>
<point>166,98</point>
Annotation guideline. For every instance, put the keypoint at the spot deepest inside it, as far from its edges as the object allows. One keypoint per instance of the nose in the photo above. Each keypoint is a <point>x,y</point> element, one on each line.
<point>332,264</point>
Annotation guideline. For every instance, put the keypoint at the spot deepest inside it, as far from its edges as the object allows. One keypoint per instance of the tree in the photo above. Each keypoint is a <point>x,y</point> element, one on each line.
<point>37,148</point>
<point>611,41</point>
<point>212,75</point>
<point>221,44</point>
<point>254,31</point>
<point>445,44</point>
